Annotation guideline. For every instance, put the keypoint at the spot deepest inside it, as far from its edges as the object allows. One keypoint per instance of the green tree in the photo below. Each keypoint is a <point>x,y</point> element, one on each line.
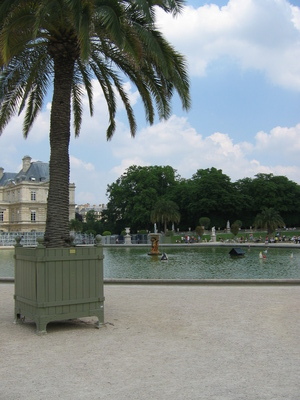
<point>91,223</point>
<point>90,216</point>
<point>135,193</point>
<point>64,44</point>
<point>75,225</point>
<point>165,211</point>
<point>204,221</point>
<point>239,223</point>
<point>269,219</point>
<point>269,191</point>
<point>234,229</point>
<point>199,230</point>
<point>214,195</point>
<point>182,194</point>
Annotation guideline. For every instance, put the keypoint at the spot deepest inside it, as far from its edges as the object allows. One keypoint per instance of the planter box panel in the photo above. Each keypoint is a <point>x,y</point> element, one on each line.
<point>56,284</point>
<point>26,286</point>
<point>79,280</point>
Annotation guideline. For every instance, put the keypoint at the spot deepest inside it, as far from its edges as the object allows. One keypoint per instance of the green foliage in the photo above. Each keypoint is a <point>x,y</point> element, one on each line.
<point>75,225</point>
<point>238,223</point>
<point>204,221</point>
<point>269,219</point>
<point>269,191</point>
<point>62,45</point>
<point>91,232</point>
<point>234,229</point>
<point>90,216</point>
<point>135,194</point>
<point>106,233</point>
<point>208,193</point>
<point>214,188</point>
<point>165,211</point>
<point>199,230</point>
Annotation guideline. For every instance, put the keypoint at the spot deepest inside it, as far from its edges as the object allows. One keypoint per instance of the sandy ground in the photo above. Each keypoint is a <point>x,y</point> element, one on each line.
<point>160,342</point>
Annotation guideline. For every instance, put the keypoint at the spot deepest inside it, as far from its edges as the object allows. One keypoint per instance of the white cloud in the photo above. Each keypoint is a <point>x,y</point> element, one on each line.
<point>281,142</point>
<point>13,145</point>
<point>258,34</point>
<point>77,164</point>
<point>176,143</point>
<point>126,163</point>
<point>296,16</point>
<point>87,177</point>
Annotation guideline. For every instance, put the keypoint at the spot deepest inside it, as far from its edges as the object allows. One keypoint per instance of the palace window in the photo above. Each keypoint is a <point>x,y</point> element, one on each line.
<point>33,195</point>
<point>1,216</point>
<point>33,216</point>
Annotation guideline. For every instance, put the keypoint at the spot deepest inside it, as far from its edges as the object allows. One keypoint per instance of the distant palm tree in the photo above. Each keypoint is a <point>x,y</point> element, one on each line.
<point>165,211</point>
<point>269,219</point>
<point>66,43</point>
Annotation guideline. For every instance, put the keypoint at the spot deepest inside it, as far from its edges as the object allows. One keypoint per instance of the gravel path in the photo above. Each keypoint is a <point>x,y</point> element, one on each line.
<point>160,342</point>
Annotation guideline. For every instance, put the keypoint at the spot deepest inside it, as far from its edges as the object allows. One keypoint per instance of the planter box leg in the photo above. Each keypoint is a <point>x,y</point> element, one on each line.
<point>41,325</point>
<point>18,319</point>
<point>100,322</point>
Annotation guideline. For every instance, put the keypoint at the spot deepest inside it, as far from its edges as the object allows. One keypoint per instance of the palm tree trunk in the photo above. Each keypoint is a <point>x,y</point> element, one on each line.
<point>57,223</point>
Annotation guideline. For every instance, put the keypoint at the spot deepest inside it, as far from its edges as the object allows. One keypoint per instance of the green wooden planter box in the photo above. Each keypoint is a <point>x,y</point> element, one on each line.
<point>58,284</point>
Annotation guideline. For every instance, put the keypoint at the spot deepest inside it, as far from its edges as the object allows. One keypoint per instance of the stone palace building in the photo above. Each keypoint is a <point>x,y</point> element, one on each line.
<point>23,197</point>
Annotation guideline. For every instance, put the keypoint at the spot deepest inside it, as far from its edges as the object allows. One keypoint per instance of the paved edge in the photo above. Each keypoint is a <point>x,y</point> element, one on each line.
<point>229,282</point>
<point>203,281</point>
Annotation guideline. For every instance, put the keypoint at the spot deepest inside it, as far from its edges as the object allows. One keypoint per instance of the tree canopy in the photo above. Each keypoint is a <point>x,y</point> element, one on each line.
<point>269,191</point>
<point>208,195</point>
<point>134,195</point>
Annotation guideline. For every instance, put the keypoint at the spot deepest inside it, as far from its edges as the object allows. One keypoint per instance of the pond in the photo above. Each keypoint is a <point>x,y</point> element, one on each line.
<point>189,263</point>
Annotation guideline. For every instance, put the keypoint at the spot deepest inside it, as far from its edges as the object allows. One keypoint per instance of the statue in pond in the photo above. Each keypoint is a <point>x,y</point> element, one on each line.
<point>154,248</point>
<point>154,244</point>
<point>213,231</point>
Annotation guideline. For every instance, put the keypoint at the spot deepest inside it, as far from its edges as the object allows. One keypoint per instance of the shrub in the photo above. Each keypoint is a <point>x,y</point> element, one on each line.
<point>199,230</point>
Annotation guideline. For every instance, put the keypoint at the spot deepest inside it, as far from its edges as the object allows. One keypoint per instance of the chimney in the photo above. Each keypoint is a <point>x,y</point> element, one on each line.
<point>1,172</point>
<point>26,163</point>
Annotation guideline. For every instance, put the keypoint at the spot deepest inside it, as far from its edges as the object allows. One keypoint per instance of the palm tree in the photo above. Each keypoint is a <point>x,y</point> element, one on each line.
<point>269,219</point>
<point>62,45</point>
<point>165,211</point>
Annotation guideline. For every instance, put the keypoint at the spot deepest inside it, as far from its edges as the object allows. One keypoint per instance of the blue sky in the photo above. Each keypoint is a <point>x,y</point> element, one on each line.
<point>244,66</point>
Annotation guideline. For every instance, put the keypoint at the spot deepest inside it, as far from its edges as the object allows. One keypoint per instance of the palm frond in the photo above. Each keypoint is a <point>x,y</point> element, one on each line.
<point>12,89</point>
<point>86,78</point>
<point>37,85</point>
<point>103,73</point>
<point>128,108</point>
<point>77,106</point>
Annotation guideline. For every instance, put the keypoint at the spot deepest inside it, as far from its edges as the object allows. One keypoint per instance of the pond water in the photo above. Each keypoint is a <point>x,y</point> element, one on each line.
<point>189,263</point>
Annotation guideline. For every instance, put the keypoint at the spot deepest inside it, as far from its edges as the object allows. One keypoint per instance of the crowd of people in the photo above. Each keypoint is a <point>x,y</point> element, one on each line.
<point>278,237</point>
